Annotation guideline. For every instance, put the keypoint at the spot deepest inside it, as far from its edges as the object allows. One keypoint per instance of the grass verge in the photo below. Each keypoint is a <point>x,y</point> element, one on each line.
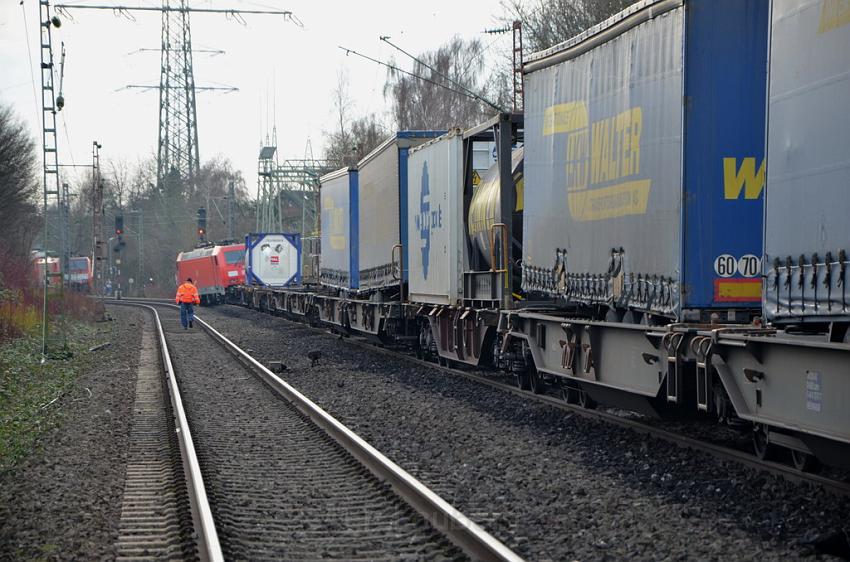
<point>31,391</point>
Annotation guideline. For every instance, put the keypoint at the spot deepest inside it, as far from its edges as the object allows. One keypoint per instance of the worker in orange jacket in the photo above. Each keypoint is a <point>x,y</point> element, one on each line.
<point>187,297</point>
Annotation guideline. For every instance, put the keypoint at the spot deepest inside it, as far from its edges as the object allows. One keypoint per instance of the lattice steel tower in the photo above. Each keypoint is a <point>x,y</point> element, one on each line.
<point>178,119</point>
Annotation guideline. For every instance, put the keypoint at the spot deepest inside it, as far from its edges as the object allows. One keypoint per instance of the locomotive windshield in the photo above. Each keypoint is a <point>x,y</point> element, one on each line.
<point>234,257</point>
<point>79,265</point>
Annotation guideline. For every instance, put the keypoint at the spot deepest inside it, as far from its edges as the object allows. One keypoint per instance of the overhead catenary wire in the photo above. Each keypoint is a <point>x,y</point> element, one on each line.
<point>469,92</point>
<point>32,69</point>
<point>397,69</point>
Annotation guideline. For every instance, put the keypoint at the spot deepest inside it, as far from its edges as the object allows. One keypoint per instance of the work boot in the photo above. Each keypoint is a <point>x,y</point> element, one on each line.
<point>190,324</point>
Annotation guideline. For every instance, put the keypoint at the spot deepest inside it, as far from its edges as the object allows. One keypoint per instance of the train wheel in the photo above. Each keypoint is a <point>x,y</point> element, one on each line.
<point>535,382</point>
<point>585,401</point>
<point>522,380</point>
<point>804,462</point>
<point>569,394</point>
<point>762,447</point>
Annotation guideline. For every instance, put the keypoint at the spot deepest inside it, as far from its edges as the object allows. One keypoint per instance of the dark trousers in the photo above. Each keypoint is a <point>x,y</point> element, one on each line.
<point>187,313</point>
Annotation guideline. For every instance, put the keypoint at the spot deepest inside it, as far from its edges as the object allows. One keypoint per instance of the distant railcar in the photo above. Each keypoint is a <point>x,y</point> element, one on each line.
<point>52,268</point>
<point>80,274</point>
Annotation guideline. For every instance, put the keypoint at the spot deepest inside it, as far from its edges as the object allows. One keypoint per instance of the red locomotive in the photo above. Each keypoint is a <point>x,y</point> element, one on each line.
<point>80,274</point>
<point>53,269</point>
<point>214,270</point>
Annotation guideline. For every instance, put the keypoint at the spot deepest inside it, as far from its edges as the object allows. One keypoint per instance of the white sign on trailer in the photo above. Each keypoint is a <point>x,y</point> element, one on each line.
<point>273,259</point>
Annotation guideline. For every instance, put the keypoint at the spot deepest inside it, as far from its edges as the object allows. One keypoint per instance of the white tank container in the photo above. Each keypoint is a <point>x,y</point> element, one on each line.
<point>273,259</point>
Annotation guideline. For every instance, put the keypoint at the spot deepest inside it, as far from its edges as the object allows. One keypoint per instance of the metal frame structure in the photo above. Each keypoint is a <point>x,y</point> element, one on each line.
<point>177,149</point>
<point>51,191</point>
<point>294,184</point>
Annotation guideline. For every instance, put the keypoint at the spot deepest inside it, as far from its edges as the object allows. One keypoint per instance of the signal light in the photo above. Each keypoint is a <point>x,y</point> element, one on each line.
<point>202,222</point>
<point>119,225</point>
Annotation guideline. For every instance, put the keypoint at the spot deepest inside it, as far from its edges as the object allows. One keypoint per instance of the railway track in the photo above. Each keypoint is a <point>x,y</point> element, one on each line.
<point>287,480</point>
<point>163,472</point>
<point>836,487</point>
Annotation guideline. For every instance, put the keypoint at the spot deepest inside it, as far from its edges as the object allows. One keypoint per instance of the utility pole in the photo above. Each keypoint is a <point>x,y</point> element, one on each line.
<point>140,269</point>
<point>65,230</point>
<point>517,61</point>
<point>231,195</point>
<point>519,90</point>
<point>97,220</point>
<point>49,152</point>
<point>177,153</point>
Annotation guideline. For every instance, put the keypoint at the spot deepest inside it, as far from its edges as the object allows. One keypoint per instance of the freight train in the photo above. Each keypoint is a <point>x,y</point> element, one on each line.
<point>664,228</point>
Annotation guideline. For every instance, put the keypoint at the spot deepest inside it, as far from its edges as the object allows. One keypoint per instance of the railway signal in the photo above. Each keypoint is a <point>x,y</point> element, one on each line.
<point>202,224</point>
<point>119,225</point>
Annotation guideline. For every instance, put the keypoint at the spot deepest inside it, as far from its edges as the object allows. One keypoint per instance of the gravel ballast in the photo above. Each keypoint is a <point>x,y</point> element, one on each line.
<point>279,487</point>
<point>63,500</point>
<point>550,484</point>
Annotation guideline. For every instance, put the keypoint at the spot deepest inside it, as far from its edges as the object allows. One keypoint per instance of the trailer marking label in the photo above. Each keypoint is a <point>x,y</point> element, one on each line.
<point>834,14</point>
<point>742,179</point>
<point>603,161</point>
<point>737,290</point>
<point>814,391</point>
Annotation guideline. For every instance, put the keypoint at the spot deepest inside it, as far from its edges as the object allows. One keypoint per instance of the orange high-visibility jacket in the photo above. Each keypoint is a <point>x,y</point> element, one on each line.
<point>187,293</point>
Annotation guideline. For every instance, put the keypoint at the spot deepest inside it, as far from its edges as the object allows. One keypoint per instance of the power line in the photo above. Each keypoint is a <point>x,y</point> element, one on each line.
<point>471,94</point>
<point>397,69</point>
<point>32,69</point>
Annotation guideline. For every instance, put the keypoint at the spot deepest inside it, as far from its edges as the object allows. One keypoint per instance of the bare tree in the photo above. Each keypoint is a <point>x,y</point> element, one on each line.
<point>18,184</point>
<point>435,101</point>
<point>353,137</point>
<point>548,22</point>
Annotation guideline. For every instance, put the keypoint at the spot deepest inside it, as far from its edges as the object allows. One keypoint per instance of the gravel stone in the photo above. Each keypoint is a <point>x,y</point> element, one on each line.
<point>63,501</point>
<point>279,487</point>
<point>551,485</point>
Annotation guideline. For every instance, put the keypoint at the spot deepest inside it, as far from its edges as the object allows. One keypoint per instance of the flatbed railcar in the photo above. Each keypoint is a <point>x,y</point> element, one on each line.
<point>621,256</point>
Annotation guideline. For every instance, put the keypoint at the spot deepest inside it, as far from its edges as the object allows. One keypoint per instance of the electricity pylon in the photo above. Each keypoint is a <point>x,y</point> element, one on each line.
<point>177,151</point>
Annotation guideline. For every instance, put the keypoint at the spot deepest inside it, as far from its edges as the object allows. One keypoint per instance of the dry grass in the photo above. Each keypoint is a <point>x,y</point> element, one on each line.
<point>22,299</point>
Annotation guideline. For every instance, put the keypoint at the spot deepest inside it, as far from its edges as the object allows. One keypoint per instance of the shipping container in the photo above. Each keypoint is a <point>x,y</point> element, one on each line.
<point>273,259</point>
<point>339,241</point>
<point>382,191</point>
<point>436,232</point>
<point>807,232</point>
<point>644,137</point>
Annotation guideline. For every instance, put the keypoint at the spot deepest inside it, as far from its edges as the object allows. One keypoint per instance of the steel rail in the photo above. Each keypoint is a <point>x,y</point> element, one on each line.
<point>724,453</point>
<point>466,534</point>
<point>208,543</point>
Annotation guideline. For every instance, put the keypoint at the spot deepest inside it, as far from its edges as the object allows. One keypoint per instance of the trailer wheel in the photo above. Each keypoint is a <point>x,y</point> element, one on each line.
<point>585,401</point>
<point>804,462</point>
<point>569,394</point>
<point>522,380</point>
<point>535,382</point>
<point>762,447</point>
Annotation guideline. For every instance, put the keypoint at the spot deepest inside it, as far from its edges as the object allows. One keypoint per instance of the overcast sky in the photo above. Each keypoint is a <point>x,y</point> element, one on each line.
<point>279,68</point>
